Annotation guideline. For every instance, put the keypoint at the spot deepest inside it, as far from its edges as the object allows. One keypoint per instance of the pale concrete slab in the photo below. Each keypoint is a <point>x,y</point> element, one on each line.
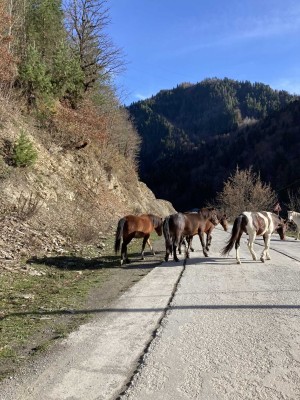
<point>232,331</point>
<point>96,361</point>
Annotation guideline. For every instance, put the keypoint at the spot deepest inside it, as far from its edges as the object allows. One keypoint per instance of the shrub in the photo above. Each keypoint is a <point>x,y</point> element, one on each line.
<point>244,191</point>
<point>24,153</point>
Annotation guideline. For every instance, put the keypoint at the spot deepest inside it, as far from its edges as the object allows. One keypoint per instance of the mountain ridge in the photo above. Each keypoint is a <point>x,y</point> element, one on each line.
<point>209,116</point>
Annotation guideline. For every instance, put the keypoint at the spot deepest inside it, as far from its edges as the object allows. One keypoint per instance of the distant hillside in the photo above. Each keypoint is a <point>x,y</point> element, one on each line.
<point>193,136</point>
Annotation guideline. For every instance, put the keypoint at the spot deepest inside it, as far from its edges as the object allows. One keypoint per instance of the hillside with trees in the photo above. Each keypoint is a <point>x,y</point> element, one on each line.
<point>70,157</point>
<point>194,137</point>
<point>68,151</point>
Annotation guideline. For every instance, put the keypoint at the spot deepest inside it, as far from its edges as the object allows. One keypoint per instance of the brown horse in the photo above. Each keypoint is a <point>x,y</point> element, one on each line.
<point>209,226</point>
<point>136,226</point>
<point>179,225</point>
<point>262,223</point>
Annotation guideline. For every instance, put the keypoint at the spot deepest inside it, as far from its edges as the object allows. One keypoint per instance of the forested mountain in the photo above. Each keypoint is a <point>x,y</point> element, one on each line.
<point>193,136</point>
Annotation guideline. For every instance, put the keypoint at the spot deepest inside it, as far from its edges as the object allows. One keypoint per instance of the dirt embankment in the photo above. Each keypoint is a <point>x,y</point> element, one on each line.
<point>68,198</point>
<point>57,224</point>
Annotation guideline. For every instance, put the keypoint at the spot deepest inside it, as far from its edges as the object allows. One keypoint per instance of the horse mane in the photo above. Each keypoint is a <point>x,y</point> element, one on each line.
<point>206,211</point>
<point>156,221</point>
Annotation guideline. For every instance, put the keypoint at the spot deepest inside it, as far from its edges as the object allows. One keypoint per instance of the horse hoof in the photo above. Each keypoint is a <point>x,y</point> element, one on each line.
<point>262,259</point>
<point>127,261</point>
<point>166,259</point>
<point>238,262</point>
<point>176,259</point>
<point>206,255</point>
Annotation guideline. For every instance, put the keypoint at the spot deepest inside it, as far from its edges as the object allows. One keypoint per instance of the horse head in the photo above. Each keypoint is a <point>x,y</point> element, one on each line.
<point>209,213</point>
<point>282,227</point>
<point>214,219</point>
<point>158,225</point>
<point>224,221</point>
<point>290,215</point>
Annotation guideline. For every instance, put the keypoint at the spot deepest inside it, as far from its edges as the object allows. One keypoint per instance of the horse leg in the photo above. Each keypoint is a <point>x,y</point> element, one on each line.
<point>124,255</point>
<point>169,250</point>
<point>201,236</point>
<point>265,253</point>
<point>208,239</point>
<point>251,239</point>
<point>297,234</point>
<point>237,247</point>
<point>191,239</point>
<point>151,247</point>
<point>181,242</point>
<point>176,242</point>
<point>189,247</point>
<point>174,253</point>
<point>146,240</point>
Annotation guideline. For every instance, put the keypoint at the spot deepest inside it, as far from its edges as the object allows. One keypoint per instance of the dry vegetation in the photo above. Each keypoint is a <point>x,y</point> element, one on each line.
<point>68,172</point>
<point>84,179</point>
<point>58,218</point>
<point>243,191</point>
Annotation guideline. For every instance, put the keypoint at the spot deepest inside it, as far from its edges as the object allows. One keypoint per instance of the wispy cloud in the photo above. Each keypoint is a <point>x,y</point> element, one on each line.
<point>292,85</point>
<point>229,30</point>
<point>273,24</point>
<point>140,96</point>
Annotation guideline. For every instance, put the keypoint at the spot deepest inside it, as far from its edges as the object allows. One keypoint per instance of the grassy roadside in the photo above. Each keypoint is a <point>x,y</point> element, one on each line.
<point>50,299</point>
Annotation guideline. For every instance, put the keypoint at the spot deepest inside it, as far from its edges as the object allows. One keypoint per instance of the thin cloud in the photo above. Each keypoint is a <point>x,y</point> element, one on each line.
<point>244,28</point>
<point>291,85</point>
<point>140,96</point>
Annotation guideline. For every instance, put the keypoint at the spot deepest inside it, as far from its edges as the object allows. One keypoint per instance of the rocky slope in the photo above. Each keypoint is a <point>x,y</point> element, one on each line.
<point>66,199</point>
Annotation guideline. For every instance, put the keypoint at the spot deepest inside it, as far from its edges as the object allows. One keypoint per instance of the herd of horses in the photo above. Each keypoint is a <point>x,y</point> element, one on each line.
<point>179,228</point>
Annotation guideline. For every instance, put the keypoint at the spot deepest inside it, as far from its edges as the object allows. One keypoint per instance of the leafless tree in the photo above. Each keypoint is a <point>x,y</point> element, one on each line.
<point>244,191</point>
<point>294,200</point>
<point>86,24</point>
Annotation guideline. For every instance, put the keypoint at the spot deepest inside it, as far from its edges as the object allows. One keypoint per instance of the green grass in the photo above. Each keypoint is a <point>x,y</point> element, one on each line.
<point>31,305</point>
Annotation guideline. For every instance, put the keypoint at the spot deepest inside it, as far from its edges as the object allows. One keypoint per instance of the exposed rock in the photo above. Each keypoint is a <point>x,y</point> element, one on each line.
<point>66,200</point>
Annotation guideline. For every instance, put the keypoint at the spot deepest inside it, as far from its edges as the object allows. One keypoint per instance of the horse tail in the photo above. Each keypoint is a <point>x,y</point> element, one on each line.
<point>119,234</point>
<point>236,229</point>
<point>166,232</point>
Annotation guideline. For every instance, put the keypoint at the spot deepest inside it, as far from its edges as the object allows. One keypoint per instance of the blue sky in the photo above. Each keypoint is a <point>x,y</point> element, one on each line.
<point>167,42</point>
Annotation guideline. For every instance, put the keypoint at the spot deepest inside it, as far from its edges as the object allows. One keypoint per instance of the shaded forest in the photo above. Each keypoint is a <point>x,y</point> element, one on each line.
<point>194,137</point>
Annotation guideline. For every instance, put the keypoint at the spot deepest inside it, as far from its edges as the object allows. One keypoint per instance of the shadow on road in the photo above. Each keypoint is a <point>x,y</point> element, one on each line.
<point>160,309</point>
<point>81,263</point>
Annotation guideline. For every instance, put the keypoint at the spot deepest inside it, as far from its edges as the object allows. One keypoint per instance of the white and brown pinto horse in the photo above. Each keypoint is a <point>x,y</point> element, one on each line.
<point>295,217</point>
<point>262,223</point>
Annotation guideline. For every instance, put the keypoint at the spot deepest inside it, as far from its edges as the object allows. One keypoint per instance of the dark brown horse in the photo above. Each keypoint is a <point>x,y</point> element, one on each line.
<point>209,226</point>
<point>262,223</point>
<point>180,225</point>
<point>136,226</point>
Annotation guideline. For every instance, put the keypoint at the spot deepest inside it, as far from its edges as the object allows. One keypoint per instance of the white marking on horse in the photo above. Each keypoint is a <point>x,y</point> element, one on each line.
<point>262,223</point>
<point>295,216</point>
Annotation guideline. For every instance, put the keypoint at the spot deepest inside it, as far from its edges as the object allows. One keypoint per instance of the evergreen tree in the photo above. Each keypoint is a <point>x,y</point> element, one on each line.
<point>33,75</point>
<point>67,75</point>
<point>49,68</point>
<point>24,153</point>
<point>45,27</point>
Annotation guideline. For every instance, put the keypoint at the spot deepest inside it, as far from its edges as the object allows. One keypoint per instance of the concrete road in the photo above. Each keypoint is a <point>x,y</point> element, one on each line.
<point>231,332</point>
<point>210,330</point>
